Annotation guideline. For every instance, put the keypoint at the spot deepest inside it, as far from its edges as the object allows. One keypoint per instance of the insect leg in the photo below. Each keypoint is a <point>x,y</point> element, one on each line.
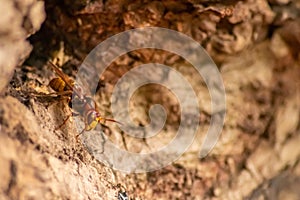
<point>65,121</point>
<point>77,136</point>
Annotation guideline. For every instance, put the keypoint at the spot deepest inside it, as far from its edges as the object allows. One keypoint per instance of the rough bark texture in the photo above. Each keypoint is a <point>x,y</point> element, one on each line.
<point>19,20</point>
<point>255,43</point>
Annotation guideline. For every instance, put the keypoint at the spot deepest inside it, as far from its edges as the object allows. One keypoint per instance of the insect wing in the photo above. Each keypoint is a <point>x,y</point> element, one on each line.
<point>65,78</point>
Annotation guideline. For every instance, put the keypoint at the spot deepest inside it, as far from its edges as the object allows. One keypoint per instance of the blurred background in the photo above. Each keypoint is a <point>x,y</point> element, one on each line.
<point>254,43</point>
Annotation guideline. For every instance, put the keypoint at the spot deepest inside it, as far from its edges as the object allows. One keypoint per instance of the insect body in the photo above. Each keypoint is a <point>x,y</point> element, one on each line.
<point>59,85</point>
<point>81,103</point>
